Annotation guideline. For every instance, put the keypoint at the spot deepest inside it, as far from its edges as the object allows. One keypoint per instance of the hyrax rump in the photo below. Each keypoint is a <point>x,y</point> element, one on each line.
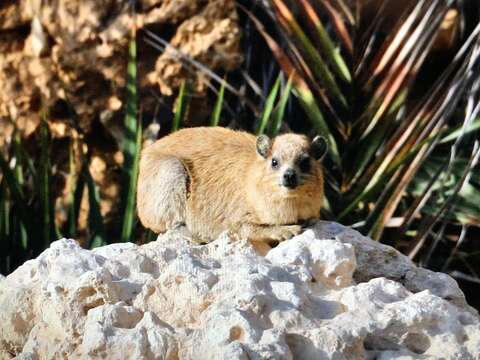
<point>215,179</point>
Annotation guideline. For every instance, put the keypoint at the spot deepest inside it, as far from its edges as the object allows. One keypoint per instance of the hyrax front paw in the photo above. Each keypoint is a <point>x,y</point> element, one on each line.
<point>286,232</point>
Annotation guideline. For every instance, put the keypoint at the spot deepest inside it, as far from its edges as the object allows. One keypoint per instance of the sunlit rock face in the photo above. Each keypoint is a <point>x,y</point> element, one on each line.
<point>329,293</point>
<point>77,51</point>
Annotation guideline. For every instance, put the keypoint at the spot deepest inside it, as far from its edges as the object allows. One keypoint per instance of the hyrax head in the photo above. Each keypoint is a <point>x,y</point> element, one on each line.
<point>291,160</point>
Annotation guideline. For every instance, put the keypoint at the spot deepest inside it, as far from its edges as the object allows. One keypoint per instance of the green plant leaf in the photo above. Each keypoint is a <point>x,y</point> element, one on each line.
<point>5,248</point>
<point>333,56</point>
<point>340,26</point>
<point>217,109</point>
<point>453,134</point>
<point>317,65</point>
<point>19,176</point>
<point>428,222</point>
<point>276,123</point>
<point>75,192</point>
<point>49,230</point>
<point>268,108</point>
<point>133,144</point>
<point>131,114</point>
<point>17,196</point>
<point>181,107</point>
<point>130,214</point>
<point>95,221</point>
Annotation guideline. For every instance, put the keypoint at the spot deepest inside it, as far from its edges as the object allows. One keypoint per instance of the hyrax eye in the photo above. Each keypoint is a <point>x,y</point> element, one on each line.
<point>304,164</point>
<point>275,163</point>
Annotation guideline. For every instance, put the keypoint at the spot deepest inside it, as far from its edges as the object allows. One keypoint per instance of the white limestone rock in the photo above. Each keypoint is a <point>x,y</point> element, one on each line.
<point>328,293</point>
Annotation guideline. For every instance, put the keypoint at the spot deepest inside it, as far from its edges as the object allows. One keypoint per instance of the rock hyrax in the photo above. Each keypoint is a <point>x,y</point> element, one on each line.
<point>215,179</point>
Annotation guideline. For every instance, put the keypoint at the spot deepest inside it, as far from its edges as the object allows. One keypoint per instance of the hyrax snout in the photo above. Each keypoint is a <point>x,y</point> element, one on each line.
<point>214,179</point>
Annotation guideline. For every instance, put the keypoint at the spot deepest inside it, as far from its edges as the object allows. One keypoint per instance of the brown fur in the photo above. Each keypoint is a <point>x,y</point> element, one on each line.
<point>213,179</point>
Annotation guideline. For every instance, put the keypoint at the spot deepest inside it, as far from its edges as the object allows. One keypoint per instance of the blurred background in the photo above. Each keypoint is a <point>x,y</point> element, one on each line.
<point>393,85</point>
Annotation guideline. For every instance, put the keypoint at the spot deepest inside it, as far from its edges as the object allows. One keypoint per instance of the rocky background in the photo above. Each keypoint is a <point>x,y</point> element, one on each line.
<point>68,58</point>
<point>76,51</point>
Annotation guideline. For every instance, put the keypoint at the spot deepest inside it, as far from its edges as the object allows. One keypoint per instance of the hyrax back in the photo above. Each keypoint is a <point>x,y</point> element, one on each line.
<point>215,179</point>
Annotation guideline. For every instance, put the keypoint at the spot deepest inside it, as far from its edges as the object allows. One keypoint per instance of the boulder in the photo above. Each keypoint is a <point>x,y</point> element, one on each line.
<point>329,293</point>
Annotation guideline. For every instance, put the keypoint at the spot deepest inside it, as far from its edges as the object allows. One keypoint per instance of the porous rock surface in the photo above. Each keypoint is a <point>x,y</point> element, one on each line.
<point>76,50</point>
<point>328,293</point>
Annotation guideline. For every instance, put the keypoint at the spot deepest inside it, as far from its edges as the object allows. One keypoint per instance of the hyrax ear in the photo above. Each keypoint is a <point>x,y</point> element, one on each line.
<point>263,145</point>
<point>319,147</point>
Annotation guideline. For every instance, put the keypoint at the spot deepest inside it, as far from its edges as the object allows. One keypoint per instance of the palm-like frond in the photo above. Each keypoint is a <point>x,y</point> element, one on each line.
<point>361,93</point>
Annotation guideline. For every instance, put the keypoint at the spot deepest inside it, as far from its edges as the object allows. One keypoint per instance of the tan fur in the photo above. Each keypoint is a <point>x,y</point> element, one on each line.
<point>213,179</point>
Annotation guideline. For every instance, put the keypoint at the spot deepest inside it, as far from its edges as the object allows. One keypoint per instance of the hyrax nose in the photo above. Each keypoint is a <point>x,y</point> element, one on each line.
<point>290,179</point>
